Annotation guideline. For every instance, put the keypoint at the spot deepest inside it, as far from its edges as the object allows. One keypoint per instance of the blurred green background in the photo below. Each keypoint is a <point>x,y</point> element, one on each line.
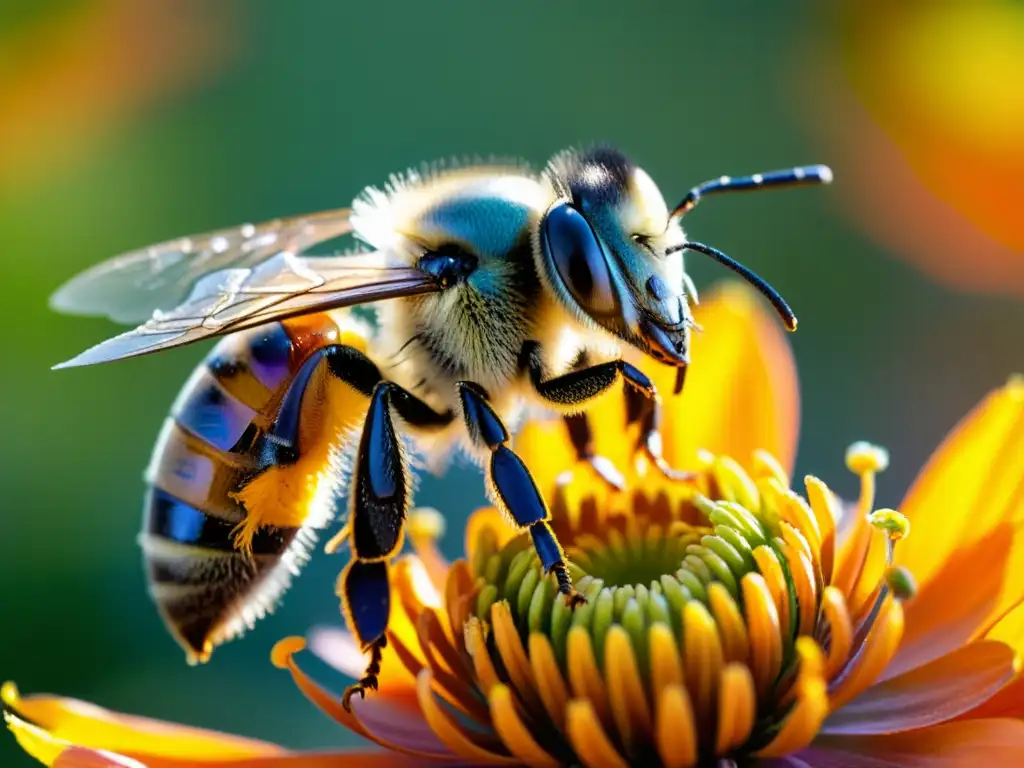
<point>124,123</point>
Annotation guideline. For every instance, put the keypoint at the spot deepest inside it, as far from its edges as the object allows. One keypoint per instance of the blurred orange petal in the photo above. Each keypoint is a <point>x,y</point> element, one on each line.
<point>961,744</point>
<point>65,79</point>
<point>972,483</point>
<point>76,757</point>
<point>741,390</point>
<point>45,725</point>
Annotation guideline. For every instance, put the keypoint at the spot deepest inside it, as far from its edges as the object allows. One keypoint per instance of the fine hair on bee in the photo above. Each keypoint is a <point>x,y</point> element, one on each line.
<point>495,289</point>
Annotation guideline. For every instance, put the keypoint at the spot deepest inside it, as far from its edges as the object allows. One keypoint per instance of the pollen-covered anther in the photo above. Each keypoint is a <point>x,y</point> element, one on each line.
<point>895,525</point>
<point>864,457</point>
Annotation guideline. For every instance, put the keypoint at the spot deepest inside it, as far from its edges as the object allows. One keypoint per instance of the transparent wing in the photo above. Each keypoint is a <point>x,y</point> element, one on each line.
<point>129,288</point>
<point>282,286</point>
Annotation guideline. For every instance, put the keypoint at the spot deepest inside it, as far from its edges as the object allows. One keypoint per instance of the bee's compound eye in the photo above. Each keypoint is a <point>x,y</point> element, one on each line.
<point>571,246</point>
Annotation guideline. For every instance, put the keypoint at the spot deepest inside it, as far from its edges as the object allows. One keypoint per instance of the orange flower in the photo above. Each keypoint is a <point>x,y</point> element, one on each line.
<point>923,99</point>
<point>731,618</point>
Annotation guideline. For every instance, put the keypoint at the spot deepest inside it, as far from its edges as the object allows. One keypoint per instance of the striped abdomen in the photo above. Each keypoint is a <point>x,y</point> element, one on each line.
<point>210,450</point>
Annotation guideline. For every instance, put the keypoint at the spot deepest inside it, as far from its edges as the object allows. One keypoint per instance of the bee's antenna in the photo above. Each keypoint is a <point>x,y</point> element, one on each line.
<point>791,177</point>
<point>788,318</point>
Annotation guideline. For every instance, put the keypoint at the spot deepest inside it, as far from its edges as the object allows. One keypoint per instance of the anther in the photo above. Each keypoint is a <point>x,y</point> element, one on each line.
<point>425,523</point>
<point>864,457</point>
<point>895,524</point>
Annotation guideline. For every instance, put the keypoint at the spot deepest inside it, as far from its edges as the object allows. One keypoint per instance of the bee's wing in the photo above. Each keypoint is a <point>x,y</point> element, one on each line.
<point>131,287</point>
<point>282,286</point>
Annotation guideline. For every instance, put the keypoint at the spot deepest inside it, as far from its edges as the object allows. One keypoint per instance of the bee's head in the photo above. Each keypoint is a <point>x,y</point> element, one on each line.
<point>612,254</point>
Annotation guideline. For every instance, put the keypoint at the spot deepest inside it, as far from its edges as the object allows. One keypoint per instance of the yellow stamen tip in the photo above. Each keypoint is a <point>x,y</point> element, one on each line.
<point>9,694</point>
<point>901,582</point>
<point>1015,385</point>
<point>283,651</point>
<point>425,523</point>
<point>894,523</point>
<point>864,457</point>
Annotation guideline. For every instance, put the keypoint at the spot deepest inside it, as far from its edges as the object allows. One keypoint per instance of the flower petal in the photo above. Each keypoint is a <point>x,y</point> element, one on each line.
<point>935,623</point>
<point>962,744</point>
<point>971,484</point>
<point>741,393</point>
<point>1008,702</point>
<point>52,723</point>
<point>77,757</point>
<point>928,695</point>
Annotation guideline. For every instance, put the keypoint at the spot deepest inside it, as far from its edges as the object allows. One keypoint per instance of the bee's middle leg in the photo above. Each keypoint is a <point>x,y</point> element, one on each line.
<point>514,487</point>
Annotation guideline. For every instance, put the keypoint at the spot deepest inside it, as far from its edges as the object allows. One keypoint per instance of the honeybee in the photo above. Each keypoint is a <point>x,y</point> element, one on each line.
<point>494,286</point>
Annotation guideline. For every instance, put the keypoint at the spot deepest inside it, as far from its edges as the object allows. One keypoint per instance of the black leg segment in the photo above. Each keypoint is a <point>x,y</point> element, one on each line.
<point>514,488</point>
<point>575,388</point>
<point>366,596</point>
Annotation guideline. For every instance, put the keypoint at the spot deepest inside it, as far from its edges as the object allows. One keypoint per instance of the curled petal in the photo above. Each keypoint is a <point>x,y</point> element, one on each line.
<point>46,725</point>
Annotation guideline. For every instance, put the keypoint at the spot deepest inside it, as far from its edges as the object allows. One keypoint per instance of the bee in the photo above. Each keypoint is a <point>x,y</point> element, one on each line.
<point>495,287</point>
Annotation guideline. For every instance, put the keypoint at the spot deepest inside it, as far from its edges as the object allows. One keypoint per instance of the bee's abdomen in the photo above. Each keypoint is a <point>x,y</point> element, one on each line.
<point>208,590</point>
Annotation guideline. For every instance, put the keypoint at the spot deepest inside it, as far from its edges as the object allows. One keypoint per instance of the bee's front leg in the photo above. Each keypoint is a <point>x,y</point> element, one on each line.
<point>646,409</point>
<point>513,486</point>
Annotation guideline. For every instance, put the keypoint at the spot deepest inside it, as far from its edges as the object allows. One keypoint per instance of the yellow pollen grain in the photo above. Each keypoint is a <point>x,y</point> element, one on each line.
<point>765,636</point>
<point>733,632</point>
<point>675,728</point>
<point>895,525</point>
<point>737,708</point>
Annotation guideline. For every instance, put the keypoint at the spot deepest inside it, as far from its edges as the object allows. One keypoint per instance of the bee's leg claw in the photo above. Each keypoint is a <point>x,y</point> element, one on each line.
<point>368,683</point>
<point>603,467</point>
<point>650,446</point>
<point>565,588</point>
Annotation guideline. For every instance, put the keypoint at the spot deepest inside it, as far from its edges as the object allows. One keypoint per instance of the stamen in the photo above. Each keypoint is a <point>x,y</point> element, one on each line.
<point>865,460</point>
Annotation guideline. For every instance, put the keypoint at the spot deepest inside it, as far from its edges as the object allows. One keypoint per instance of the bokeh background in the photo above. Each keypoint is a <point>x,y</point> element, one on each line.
<point>124,122</point>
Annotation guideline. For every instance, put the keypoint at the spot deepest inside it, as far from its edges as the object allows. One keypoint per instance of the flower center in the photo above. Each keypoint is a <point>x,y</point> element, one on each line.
<point>730,608</point>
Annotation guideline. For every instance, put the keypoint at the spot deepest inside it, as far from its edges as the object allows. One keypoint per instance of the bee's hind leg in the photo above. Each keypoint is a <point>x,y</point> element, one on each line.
<point>378,500</point>
<point>513,486</point>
